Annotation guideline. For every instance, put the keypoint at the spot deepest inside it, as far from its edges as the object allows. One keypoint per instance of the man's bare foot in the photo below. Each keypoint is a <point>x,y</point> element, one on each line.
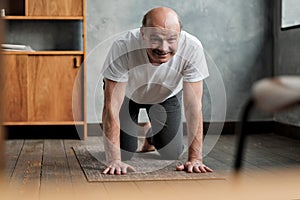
<point>147,147</point>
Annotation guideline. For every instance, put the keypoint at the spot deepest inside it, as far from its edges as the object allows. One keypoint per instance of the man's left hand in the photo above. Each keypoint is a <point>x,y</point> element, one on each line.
<point>194,166</point>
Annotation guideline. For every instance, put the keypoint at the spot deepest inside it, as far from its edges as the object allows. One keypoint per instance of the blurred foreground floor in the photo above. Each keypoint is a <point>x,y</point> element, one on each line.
<point>48,169</point>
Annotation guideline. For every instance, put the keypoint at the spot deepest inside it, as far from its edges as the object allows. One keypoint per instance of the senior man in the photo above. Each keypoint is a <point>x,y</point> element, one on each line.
<point>154,67</point>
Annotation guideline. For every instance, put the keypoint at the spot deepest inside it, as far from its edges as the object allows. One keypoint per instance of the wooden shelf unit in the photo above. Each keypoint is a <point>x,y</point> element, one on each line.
<point>45,87</point>
<point>42,52</point>
<point>41,123</point>
<point>53,8</point>
<point>41,18</point>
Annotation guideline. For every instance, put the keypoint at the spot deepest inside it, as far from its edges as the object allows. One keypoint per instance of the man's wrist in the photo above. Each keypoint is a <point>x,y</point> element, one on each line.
<point>114,160</point>
<point>192,155</point>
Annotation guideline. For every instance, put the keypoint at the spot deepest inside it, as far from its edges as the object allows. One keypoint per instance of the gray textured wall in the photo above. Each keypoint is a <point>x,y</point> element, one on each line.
<point>236,34</point>
<point>286,61</point>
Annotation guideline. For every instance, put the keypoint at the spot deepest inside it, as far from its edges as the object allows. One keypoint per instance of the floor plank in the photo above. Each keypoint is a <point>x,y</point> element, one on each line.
<point>183,188</point>
<point>123,190</point>
<point>76,172</point>
<point>55,171</point>
<point>262,158</point>
<point>12,152</point>
<point>224,152</point>
<point>26,176</point>
<point>278,145</point>
<point>78,178</point>
<point>150,189</point>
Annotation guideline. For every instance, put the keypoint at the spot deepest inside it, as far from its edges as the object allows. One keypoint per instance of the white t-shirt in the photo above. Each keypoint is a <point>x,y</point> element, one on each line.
<point>127,61</point>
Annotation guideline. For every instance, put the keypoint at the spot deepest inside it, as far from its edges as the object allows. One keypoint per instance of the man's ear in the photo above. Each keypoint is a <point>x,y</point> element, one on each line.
<point>142,32</point>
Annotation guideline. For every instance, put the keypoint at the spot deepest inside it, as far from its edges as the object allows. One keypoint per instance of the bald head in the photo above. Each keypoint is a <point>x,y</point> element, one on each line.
<point>160,32</point>
<point>162,17</point>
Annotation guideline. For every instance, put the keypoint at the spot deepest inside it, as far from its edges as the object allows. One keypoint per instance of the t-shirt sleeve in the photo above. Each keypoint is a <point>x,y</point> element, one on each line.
<point>116,64</point>
<point>196,68</point>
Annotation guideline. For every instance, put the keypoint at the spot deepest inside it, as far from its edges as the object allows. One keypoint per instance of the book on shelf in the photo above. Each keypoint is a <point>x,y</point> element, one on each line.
<point>16,47</point>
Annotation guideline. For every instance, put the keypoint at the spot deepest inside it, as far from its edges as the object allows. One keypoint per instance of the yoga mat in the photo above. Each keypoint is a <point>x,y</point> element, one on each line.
<point>149,167</point>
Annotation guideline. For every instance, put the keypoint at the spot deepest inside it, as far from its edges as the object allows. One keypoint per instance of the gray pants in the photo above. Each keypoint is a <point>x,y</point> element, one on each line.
<point>166,127</point>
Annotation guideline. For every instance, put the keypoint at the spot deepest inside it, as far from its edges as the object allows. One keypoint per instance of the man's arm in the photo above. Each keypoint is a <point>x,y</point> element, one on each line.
<point>192,97</point>
<point>114,93</point>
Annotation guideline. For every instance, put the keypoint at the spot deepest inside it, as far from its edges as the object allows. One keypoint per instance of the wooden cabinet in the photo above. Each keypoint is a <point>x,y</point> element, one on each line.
<point>40,88</point>
<point>50,87</point>
<point>45,87</point>
<point>15,85</point>
<point>55,8</point>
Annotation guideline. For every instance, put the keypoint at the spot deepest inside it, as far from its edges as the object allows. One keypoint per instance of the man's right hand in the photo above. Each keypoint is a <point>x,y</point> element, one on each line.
<point>118,167</point>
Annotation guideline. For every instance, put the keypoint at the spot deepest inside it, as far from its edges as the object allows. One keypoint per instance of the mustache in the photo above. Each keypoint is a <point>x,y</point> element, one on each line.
<point>159,52</point>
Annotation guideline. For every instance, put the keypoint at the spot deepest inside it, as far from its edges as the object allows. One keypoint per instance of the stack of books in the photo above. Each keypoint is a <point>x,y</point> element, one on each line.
<point>16,47</point>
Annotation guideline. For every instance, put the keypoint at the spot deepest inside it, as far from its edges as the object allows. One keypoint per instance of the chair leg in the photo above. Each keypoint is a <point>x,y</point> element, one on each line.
<point>241,133</point>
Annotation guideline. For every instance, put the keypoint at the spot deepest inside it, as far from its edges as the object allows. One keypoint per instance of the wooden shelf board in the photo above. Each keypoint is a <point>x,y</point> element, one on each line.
<point>42,17</point>
<point>42,123</point>
<point>44,52</point>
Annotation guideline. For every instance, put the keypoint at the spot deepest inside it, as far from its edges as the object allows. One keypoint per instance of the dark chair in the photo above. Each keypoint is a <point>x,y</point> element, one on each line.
<point>268,95</point>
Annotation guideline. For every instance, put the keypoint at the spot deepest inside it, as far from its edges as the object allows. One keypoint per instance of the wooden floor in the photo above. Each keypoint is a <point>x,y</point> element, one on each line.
<point>39,168</point>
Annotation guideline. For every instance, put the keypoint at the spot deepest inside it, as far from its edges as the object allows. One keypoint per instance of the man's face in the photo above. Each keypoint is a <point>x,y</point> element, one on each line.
<point>161,44</point>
